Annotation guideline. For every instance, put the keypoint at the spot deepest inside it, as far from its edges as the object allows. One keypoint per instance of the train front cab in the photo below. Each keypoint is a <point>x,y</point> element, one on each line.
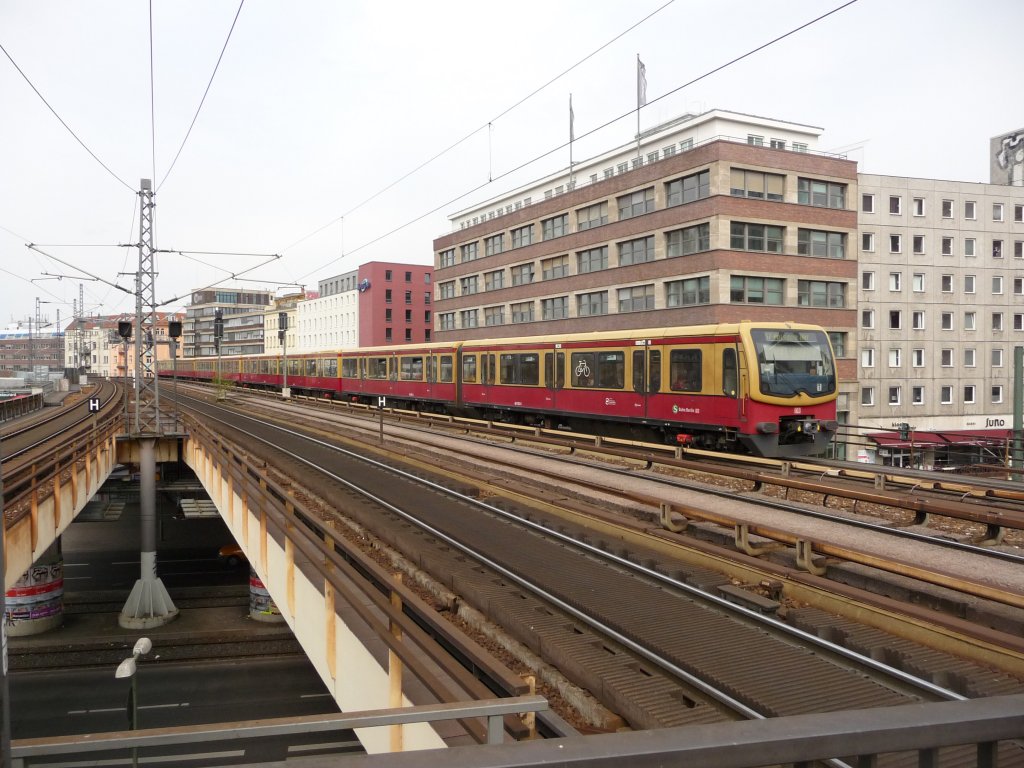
<point>791,379</point>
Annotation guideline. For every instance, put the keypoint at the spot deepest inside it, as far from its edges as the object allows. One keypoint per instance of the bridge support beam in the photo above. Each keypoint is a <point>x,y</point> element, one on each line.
<point>148,605</point>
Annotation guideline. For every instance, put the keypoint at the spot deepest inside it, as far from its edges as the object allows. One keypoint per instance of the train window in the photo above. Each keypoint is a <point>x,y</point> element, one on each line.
<point>654,369</point>
<point>293,367</point>
<point>377,368</point>
<point>411,369</point>
<point>611,370</point>
<point>469,369</point>
<point>349,367</point>
<point>638,370</point>
<point>730,375</point>
<point>393,368</point>
<point>446,369</point>
<point>330,367</point>
<point>583,369</point>
<point>686,370</point>
<point>489,368</point>
<point>431,369</point>
<point>520,369</point>
<point>311,366</point>
<point>362,368</point>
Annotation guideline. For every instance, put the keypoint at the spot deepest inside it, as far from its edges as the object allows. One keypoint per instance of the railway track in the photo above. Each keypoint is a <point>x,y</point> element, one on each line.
<point>609,607</point>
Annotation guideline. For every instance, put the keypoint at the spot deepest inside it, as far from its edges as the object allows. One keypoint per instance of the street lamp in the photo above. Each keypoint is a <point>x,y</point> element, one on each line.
<point>218,334</point>
<point>282,332</point>
<point>128,668</point>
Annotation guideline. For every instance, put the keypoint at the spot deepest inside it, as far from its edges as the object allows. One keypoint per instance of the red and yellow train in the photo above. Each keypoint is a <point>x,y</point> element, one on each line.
<point>765,388</point>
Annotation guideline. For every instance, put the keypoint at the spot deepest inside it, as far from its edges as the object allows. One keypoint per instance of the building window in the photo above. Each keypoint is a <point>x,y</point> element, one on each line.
<point>470,252</point>
<point>918,244</point>
<point>895,204</point>
<point>917,282</point>
<point>446,258</point>
<point>522,236</point>
<point>997,321</point>
<point>997,249</point>
<point>446,321</point>
<point>946,321</point>
<point>946,358</point>
<point>867,203</point>
<point>895,319</point>
<point>636,251</point>
<point>867,318</point>
<point>997,211</point>
<point>947,209</point>
<point>947,246</point>
<point>755,237</point>
<point>591,216</point>
<point>946,281</point>
<point>387,275</point>
<point>867,242</point>
<point>867,281</point>
<point>823,194</point>
<point>969,393</point>
<point>754,140</point>
<point>1018,321</point>
<point>556,226</point>
<point>468,318</point>
<point>697,186</point>
<point>969,246</point>
<point>522,312</point>
<point>895,281</point>
<point>997,285</point>
<point>895,243</point>
<point>592,260</point>
<point>969,283</point>
<point>636,298</point>
<point>683,242</point>
<point>919,206</point>
<point>494,316</point>
<point>756,290</point>
<point>522,274</point>
<point>592,304</point>
<point>917,358</point>
<point>556,266</point>
<point>1018,212</point>
<point>446,290</point>
<point>387,296</point>
<point>799,146</point>
<point>838,341</point>
<point>917,319</point>
<point>997,393</point>
<point>494,281</point>
<point>756,184</point>
<point>970,209</point>
<point>1018,249</point>
<point>946,395</point>
<point>969,357</point>
<point>997,357</point>
<point>818,293</point>
<point>556,308</point>
<point>867,358</point>
<point>685,293</point>
<point>408,297</point>
<point>636,203</point>
<point>894,395</point>
<point>811,242</point>
<point>468,286</point>
<point>970,321</point>
<point>867,395</point>
<point>494,244</point>
<point>917,395</point>
<point>778,143</point>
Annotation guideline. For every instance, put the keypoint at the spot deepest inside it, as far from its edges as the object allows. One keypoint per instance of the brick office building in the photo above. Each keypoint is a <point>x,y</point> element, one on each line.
<point>719,217</point>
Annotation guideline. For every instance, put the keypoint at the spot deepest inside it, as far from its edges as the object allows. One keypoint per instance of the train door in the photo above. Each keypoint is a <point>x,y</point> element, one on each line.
<point>646,376</point>
<point>554,375</point>
<point>431,373</point>
<point>733,379</point>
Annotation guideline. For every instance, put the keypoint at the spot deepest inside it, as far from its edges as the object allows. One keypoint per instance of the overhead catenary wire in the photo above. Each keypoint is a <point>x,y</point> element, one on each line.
<point>66,126</point>
<point>563,145</point>
<point>475,131</point>
<point>202,100</point>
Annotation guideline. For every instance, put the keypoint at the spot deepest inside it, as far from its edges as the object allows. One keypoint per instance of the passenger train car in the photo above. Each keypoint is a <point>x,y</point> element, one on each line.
<point>767,389</point>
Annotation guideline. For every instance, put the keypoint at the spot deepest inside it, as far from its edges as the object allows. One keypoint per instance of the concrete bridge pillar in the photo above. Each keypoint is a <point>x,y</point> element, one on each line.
<point>35,603</point>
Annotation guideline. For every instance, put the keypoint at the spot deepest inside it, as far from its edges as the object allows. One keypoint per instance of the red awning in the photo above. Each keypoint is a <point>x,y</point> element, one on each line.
<point>922,439</point>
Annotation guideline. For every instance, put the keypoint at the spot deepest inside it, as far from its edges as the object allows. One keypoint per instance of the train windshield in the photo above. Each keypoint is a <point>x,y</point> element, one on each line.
<point>794,361</point>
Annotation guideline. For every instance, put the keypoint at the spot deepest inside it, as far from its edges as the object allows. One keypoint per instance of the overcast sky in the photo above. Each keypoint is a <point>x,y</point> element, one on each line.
<point>320,105</point>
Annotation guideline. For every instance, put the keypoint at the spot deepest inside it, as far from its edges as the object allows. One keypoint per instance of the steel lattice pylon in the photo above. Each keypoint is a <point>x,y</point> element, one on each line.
<point>147,395</point>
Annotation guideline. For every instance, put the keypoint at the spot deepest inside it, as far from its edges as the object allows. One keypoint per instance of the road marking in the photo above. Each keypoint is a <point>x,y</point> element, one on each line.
<point>94,711</point>
<point>313,695</point>
<point>163,706</point>
<point>325,745</point>
<point>126,562</point>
